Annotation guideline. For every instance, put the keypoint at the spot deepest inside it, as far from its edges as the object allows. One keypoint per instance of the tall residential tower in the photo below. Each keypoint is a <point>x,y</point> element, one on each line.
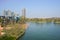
<point>24,13</point>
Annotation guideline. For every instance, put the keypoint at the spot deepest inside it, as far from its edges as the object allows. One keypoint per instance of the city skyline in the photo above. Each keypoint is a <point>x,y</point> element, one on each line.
<point>34,8</point>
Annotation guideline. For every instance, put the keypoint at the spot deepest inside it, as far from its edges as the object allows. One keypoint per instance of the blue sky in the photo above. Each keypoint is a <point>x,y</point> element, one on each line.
<point>34,8</point>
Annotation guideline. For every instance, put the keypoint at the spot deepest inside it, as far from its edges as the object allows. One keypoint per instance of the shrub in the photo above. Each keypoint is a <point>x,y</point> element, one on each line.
<point>7,38</point>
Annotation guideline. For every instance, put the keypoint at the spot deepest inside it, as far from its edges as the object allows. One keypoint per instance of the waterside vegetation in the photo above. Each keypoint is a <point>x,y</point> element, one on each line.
<point>43,20</point>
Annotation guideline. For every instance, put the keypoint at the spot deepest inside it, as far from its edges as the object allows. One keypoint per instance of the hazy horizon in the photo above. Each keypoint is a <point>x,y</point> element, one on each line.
<point>34,8</point>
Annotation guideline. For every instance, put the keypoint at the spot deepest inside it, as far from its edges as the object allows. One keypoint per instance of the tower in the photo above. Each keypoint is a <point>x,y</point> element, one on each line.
<point>24,14</point>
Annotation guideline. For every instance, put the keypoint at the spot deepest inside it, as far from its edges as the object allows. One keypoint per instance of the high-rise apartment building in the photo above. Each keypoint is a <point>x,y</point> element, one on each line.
<point>24,13</point>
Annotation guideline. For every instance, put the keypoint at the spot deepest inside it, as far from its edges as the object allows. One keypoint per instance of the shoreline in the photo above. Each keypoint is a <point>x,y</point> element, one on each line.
<point>20,35</point>
<point>24,28</point>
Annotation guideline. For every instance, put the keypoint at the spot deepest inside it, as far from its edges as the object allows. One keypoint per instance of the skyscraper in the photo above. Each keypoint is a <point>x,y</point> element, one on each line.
<point>24,13</point>
<point>7,13</point>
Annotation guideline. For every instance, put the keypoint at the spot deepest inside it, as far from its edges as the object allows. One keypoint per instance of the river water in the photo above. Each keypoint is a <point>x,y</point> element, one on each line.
<point>42,31</point>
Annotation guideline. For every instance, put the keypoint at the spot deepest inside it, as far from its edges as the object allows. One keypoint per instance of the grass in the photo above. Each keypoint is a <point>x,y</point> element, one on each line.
<point>7,38</point>
<point>14,32</point>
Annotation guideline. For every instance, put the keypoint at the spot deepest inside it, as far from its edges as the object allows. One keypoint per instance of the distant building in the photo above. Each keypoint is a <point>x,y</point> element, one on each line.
<point>8,14</point>
<point>24,13</point>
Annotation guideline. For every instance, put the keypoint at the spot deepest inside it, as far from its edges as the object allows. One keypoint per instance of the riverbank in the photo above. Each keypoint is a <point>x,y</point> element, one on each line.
<point>14,31</point>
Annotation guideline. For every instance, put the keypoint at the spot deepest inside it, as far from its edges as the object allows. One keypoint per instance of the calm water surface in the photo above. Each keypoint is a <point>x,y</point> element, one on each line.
<point>42,31</point>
